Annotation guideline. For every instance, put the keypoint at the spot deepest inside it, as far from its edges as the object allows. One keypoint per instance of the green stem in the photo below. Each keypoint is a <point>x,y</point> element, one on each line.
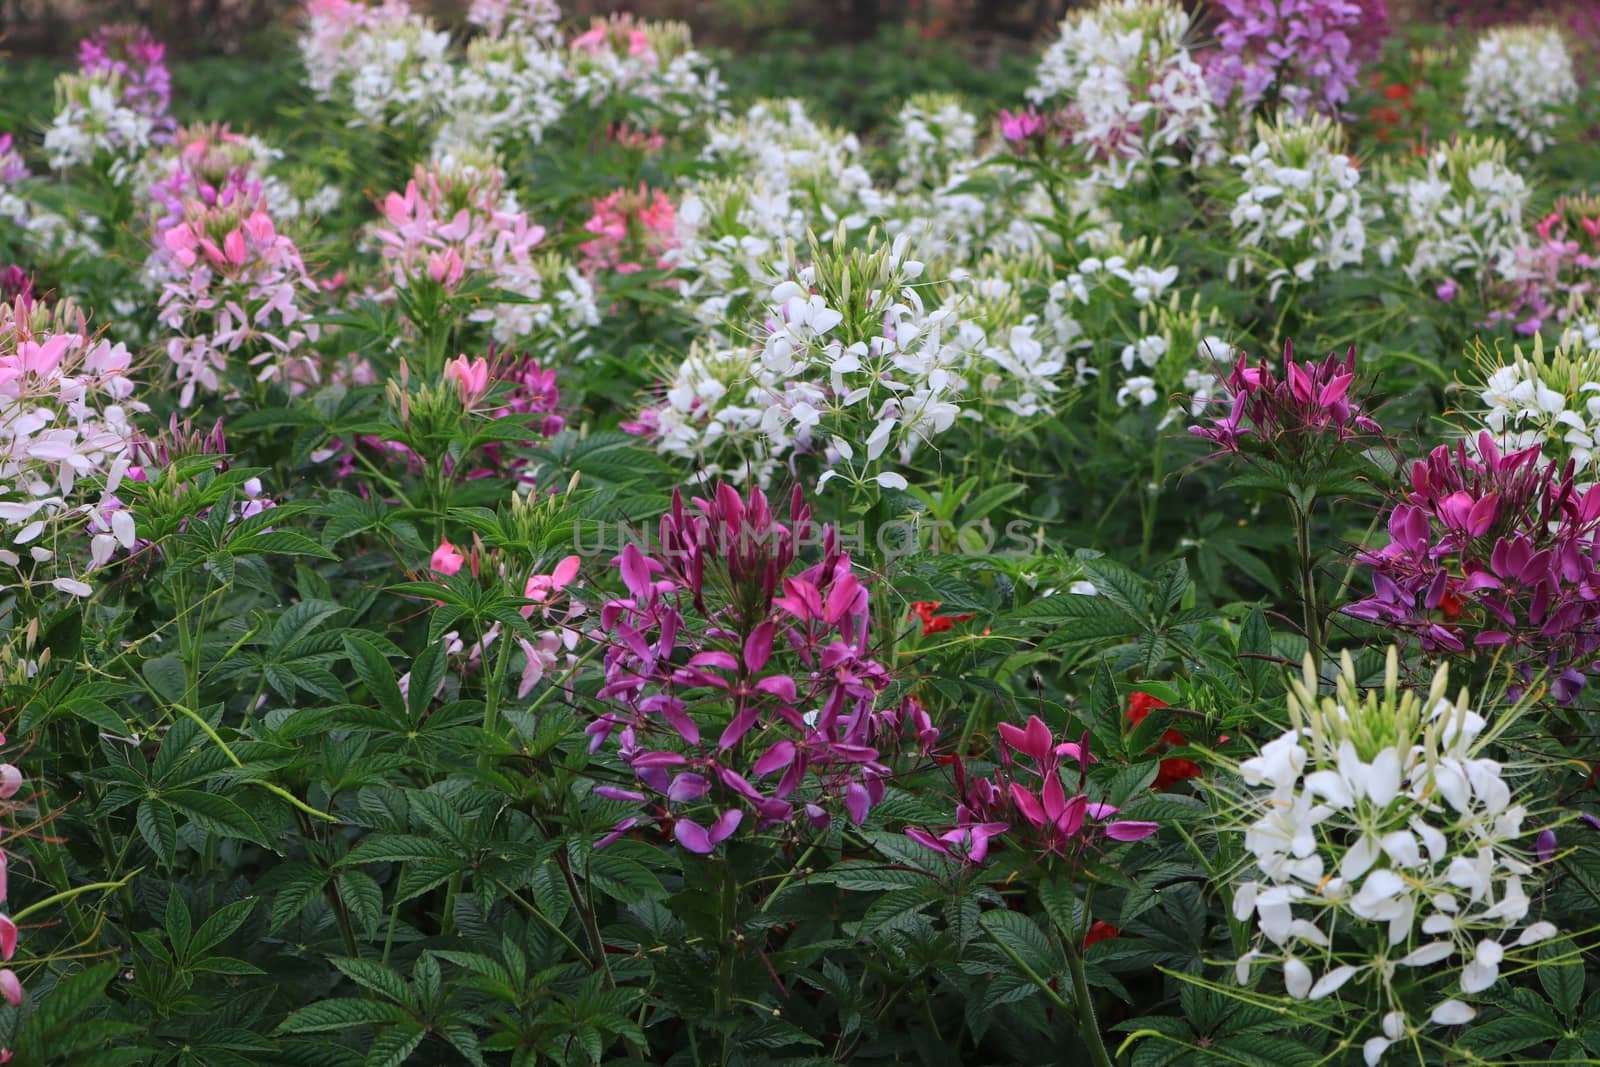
<point>1310,611</point>
<point>729,924</point>
<point>1089,1025</point>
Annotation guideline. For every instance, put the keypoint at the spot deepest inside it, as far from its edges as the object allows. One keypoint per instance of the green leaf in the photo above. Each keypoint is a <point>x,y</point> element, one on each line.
<point>1024,942</point>
<point>215,813</point>
<point>376,978</point>
<point>1562,978</point>
<point>376,674</point>
<point>393,1047</point>
<point>166,676</point>
<point>341,1013</point>
<point>220,925</point>
<point>158,828</point>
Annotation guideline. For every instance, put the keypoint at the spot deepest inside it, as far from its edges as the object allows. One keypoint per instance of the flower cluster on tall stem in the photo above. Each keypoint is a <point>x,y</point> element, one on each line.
<point>1493,554</point>
<point>741,689</point>
<point>1303,431</point>
<point>139,61</point>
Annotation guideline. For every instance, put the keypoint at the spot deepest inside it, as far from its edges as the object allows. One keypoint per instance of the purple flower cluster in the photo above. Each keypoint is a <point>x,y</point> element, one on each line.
<point>139,60</point>
<point>736,688</point>
<point>1294,418</point>
<point>1493,550</point>
<point>1308,51</point>
<point>1030,800</point>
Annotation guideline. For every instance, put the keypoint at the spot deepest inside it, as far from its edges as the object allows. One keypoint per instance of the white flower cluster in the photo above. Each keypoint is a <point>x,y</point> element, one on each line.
<point>1519,80</point>
<point>853,365</point>
<point>1462,213</point>
<point>1301,204</point>
<point>387,63</point>
<point>1028,346</point>
<point>651,67</point>
<point>933,134</point>
<point>1547,399</point>
<point>785,174</point>
<point>66,435</point>
<point>538,18</point>
<point>508,90</point>
<point>1135,95</point>
<point>93,122</point>
<point>1383,845</point>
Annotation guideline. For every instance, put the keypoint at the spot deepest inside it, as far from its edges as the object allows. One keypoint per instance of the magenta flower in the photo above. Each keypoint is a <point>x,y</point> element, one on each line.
<point>1293,420</point>
<point>736,684</point>
<point>1030,801</point>
<point>1489,549</point>
<point>632,230</point>
<point>1021,127</point>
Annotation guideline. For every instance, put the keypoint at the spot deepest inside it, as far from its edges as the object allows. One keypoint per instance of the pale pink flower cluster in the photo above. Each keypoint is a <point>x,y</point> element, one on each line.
<point>238,288</point>
<point>66,435</point>
<point>633,231</point>
<point>449,223</point>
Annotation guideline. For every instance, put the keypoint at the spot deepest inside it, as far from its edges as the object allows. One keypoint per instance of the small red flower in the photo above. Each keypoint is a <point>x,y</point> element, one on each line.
<point>933,623</point>
<point>1174,769</point>
<point>1098,932</point>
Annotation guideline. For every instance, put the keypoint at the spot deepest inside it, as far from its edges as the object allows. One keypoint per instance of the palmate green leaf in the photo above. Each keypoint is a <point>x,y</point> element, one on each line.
<point>276,543</point>
<point>220,925</point>
<point>376,978</point>
<point>341,1013</point>
<point>217,814</point>
<point>401,848</point>
<point>1023,941</point>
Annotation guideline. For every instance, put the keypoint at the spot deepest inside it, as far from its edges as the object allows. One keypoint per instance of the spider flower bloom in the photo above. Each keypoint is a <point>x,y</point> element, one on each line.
<point>66,441</point>
<point>1384,838</point>
<point>633,231</point>
<point>237,289</point>
<point>1027,799</point>
<point>1307,52</point>
<point>139,61</point>
<point>1294,418</point>
<point>1492,550</point>
<point>739,689</point>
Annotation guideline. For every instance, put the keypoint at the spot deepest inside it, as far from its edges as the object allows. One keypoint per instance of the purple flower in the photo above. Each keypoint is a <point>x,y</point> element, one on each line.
<point>750,678</point>
<point>1309,51</point>
<point>1488,550</point>
<point>139,60</point>
<point>1293,420</point>
<point>1446,291</point>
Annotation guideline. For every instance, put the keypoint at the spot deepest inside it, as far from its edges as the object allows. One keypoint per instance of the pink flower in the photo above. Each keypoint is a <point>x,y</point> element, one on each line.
<point>542,588</point>
<point>1020,127</point>
<point>1446,291</point>
<point>471,377</point>
<point>446,560</point>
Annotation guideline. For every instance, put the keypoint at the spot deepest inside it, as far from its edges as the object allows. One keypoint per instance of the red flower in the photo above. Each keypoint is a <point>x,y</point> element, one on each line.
<point>1174,769</point>
<point>1098,932</point>
<point>932,623</point>
<point>1397,91</point>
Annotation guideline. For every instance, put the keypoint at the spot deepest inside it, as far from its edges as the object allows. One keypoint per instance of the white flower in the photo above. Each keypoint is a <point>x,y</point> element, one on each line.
<point>1453,1013</point>
<point>1520,78</point>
